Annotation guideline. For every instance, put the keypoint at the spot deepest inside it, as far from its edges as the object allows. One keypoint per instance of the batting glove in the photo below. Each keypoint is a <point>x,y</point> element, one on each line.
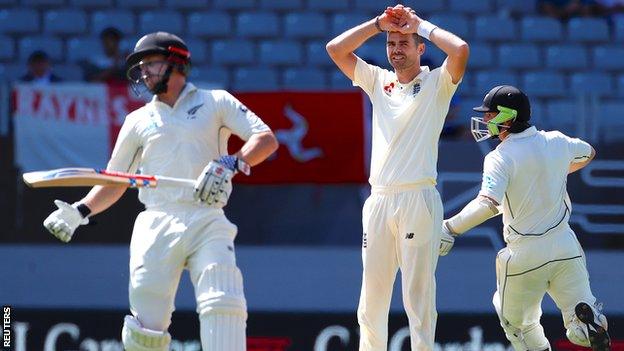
<point>448,240</point>
<point>63,222</point>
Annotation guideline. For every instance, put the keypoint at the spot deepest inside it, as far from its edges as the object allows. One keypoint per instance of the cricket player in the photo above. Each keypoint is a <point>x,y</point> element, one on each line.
<point>176,134</point>
<point>526,174</point>
<point>401,217</point>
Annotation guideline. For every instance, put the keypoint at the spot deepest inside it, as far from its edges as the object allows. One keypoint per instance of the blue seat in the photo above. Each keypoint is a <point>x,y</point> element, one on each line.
<point>466,105</point>
<point>120,19</point>
<point>209,24</point>
<point>522,7</point>
<point>609,57</point>
<point>281,52</point>
<point>328,5</point>
<point>519,56</point>
<point>281,5</point>
<point>234,5</point>
<point>186,4</point>
<point>82,48</point>
<point>453,22</point>
<point>7,47</point>
<point>495,28</point>
<point>562,115</point>
<point>316,54</point>
<point>541,29</point>
<point>232,52</point>
<point>210,76</point>
<point>43,3</point>
<point>305,25</point>
<point>65,22</point>
<point>592,83</point>
<point>470,7</point>
<point>257,25</point>
<point>304,79</point>
<point>373,5</point>
<point>538,113</point>
<point>12,71</point>
<point>53,46</point>
<point>90,4</point>
<point>544,84</point>
<point>167,21</point>
<point>139,4</point>
<point>612,121</point>
<point>255,79</point>
<point>374,52</point>
<point>618,26</point>
<point>69,72</point>
<point>620,85</point>
<point>486,80</point>
<point>199,52</point>
<point>584,29</point>
<point>338,81</point>
<point>481,55</point>
<point>566,57</point>
<point>434,55</point>
<point>343,21</point>
<point>20,21</point>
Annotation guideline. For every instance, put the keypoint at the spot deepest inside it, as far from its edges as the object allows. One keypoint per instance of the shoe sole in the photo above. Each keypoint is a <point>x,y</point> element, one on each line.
<point>598,336</point>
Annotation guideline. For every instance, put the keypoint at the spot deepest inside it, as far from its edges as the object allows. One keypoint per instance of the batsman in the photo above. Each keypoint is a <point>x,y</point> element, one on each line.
<point>182,132</point>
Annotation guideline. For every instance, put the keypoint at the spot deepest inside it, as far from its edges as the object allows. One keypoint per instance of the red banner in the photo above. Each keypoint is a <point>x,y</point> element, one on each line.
<point>321,137</point>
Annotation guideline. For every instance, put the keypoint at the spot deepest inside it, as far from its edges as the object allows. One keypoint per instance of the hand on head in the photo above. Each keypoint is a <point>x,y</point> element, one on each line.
<point>399,19</point>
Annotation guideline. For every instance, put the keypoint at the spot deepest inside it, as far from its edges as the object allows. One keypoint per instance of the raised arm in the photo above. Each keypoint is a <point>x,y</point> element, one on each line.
<point>453,46</point>
<point>341,48</point>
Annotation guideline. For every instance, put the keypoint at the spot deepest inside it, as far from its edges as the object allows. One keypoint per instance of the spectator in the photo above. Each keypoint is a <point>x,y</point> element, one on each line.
<point>455,124</point>
<point>566,9</point>
<point>111,67</point>
<point>39,71</point>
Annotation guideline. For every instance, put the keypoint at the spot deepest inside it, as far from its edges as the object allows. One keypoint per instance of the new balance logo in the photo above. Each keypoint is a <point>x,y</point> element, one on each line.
<point>191,112</point>
<point>409,236</point>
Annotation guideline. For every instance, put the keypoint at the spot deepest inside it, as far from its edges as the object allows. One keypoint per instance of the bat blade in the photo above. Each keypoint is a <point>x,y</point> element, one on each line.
<point>76,177</point>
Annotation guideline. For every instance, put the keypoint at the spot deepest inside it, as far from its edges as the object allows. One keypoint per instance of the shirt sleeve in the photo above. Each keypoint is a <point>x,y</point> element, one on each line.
<point>127,148</point>
<point>239,119</point>
<point>579,150</point>
<point>495,178</point>
<point>446,87</point>
<point>365,76</point>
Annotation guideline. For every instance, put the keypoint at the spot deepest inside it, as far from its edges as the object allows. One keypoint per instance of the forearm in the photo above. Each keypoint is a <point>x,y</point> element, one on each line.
<point>575,166</point>
<point>347,42</point>
<point>474,213</point>
<point>102,197</point>
<point>451,44</point>
<point>258,148</point>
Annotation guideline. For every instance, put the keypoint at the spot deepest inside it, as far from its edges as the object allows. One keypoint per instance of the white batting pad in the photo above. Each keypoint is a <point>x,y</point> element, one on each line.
<point>137,338</point>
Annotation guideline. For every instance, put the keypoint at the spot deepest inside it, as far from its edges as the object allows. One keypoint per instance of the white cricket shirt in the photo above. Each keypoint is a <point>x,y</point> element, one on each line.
<point>407,121</point>
<point>179,141</point>
<point>527,175</point>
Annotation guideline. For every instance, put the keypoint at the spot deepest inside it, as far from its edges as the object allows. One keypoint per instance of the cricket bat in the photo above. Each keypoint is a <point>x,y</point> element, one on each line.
<point>66,177</point>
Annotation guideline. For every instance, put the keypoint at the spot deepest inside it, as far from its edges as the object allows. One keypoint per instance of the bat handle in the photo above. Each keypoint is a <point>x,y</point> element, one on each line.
<point>175,182</point>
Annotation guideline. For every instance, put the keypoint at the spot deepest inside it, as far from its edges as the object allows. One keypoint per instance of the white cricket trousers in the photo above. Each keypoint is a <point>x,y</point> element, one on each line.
<point>167,240</point>
<point>402,229</point>
<point>532,266</point>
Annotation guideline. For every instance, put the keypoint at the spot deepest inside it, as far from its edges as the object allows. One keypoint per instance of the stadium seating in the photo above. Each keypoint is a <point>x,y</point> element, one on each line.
<point>209,24</point>
<point>541,29</point>
<point>281,52</point>
<point>543,84</point>
<point>120,19</point>
<point>19,20</point>
<point>53,46</point>
<point>588,30</point>
<point>618,24</point>
<point>487,80</point>
<point>257,25</point>
<point>516,6</point>
<point>608,57</point>
<point>328,5</point>
<point>338,81</point>
<point>611,119</point>
<point>161,20</point>
<point>255,78</point>
<point>186,4</point>
<point>473,7</point>
<point>81,48</point>
<point>232,52</point>
<point>139,4</point>
<point>234,5</point>
<point>69,72</point>
<point>453,22</point>
<point>620,85</point>
<point>304,79</point>
<point>7,48</point>
<point>495,28</point>
<point>566,57</point>
<point>594,83</point>
<point>216,76</point>
<point>316,55</point>
<point>42,2</point>
<point>199,51</point>
<point>65,22</point>
<point>12,71</point>
<point>90,4</point>
<point>562,115</point>
<point>343,21</point>
<point>519,56</point>
<point>305,25</point>
<point>481,56</point>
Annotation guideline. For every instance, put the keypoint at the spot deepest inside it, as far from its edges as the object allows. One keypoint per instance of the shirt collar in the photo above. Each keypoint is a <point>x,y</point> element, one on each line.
<point>424,72</point>
<point>525,133</point>
<point>188,88</point>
